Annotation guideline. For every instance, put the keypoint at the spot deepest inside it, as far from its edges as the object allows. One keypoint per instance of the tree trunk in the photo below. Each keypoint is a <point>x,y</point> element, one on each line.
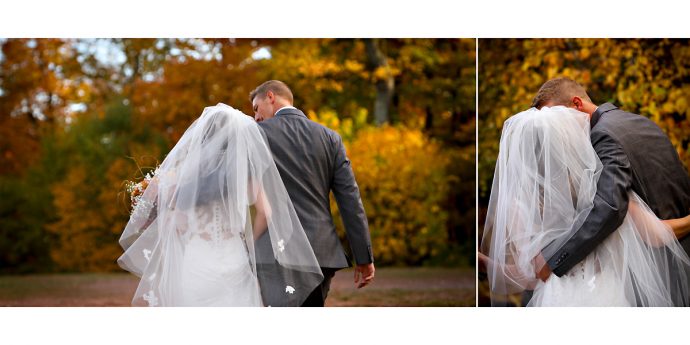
<point>428,120</point>
<point>384,86</point>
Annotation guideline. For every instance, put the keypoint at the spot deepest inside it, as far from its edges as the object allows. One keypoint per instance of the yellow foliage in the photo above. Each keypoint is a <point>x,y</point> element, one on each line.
<point>403,180</point>
<point>347,128</point>
<point>92,214</point>
<point>80,246</point>
<point>644,76</point>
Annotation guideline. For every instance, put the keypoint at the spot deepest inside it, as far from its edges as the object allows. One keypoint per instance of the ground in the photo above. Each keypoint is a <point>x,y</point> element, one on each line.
<point>409,287</point>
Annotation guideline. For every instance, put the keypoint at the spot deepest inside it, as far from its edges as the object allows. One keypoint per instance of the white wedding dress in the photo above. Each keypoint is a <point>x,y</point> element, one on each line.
<point>604,277</point>
<point>216,269</point>
<point>543,189</point>
<point>215,227</point>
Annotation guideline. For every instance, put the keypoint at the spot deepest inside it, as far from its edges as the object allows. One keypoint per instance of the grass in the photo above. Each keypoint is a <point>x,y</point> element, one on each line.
<point>424,287</point>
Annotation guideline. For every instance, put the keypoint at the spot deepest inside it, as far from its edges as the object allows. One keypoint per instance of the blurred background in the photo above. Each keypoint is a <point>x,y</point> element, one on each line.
<point>78,117</point>
<point>650,77</point>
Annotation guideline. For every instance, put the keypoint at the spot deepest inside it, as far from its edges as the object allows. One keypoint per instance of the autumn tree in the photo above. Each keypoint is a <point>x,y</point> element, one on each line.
<point>111,117</point>
<point>650,77</point>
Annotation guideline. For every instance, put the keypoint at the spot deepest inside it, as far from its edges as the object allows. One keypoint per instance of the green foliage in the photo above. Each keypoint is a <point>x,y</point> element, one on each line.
<point>91,209</point>
<point>23,243</point>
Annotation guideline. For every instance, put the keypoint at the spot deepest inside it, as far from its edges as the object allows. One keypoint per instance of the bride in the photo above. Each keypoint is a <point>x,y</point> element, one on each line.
<point>215,226</point>
<point>544,186</point>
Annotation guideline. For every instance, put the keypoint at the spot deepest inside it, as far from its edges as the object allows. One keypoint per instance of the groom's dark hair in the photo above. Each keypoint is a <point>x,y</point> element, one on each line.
<point>276,86</point>
<point>559,91</point>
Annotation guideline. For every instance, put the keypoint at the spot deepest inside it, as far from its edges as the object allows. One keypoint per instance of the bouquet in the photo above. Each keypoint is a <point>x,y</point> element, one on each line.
<point>141,207</point>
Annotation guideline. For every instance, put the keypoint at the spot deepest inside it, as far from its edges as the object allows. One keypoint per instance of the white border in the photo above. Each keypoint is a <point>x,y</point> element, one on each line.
<point>355,18</point>
<point>418,326</point>
<point>352,18</point>
<point>476,170</point>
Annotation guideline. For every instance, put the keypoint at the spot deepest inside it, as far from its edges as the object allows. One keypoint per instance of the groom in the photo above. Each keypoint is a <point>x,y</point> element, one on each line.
<point>312,162</point>
<point>636,155</point>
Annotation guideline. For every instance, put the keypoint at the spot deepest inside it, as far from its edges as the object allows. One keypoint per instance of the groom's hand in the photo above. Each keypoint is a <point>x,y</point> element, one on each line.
<point>364,274</point>
<point>544,271</point>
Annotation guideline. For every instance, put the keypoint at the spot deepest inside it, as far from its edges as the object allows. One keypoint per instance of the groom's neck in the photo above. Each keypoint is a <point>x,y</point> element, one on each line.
<point>279,105</point>
<point>589,108</point>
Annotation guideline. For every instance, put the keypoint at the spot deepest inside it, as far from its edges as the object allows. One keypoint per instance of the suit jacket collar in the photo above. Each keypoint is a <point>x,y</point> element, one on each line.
<point>290,111</point>
<point>604,108</point>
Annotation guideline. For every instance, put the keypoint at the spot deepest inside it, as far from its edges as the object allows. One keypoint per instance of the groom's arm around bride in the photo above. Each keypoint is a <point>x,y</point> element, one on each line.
<point>636,156</point>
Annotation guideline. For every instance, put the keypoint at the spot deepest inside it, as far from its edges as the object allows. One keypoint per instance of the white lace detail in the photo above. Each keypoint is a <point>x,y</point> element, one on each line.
<point>151,298</point>
<point>591,285</point>
<point>217,229</point>
<point>213,225</point>
<point>578,271</point>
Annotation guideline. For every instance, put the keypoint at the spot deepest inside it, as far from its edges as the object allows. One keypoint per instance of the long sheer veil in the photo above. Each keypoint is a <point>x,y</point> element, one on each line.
<point>219,184</point>
<point>543,189</point>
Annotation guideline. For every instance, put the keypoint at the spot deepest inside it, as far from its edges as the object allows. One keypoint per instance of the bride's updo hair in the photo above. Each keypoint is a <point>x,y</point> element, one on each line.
<point>559,91</point>
<point>276,86</point>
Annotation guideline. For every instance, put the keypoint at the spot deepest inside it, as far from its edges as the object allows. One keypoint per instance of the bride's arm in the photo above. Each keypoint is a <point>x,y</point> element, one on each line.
<point>645,222</point>
<point>511,274</point>
<point>263,209</point>
<point>680,226</point>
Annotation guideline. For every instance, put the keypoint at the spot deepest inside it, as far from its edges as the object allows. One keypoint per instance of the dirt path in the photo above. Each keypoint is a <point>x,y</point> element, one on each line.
<point>392,287</point>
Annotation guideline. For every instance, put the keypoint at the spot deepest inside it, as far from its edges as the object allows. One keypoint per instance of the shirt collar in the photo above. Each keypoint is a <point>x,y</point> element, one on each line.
<point>285,107</point>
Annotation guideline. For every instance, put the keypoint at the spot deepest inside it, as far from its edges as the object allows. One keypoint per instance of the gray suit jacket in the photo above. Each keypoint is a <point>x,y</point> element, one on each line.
<point>638,156</point>
<point>312,162</point>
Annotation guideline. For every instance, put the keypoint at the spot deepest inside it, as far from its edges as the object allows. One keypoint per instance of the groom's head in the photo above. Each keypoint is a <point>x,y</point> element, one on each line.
<point>268,98</point>
<point>565,92</point>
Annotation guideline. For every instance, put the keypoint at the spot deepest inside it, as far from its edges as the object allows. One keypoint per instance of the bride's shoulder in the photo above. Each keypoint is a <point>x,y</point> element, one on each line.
<point>521,118</point>
<point>223,106</point>
<point>230,111</point>
<point>547,116</point>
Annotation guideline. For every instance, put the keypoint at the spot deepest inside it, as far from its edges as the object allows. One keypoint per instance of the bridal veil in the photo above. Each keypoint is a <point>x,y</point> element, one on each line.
<point>543,189</point>
<point>218,199</point>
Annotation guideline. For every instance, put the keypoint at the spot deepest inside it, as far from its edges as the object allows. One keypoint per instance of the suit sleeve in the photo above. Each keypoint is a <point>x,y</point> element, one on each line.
<point>347,196</point>
<point>610,205</point>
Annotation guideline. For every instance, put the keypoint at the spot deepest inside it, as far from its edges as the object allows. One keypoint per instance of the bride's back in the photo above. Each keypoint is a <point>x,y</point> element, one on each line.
<point>545,180</point>
<point>199,242</point>
<point>546,170</point>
